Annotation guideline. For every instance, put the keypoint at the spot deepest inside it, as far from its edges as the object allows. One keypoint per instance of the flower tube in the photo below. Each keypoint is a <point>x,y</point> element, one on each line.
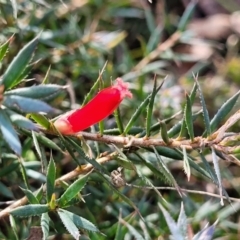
<point>100,107</point>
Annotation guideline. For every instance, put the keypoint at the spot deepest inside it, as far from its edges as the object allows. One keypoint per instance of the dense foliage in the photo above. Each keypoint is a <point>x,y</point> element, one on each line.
<point>164,165</point>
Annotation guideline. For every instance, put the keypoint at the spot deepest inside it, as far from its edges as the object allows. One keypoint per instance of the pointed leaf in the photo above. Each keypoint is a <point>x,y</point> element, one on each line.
<point>188,117</point>
<point>21,121</point>
<point>164,133</point>
<point>9,133</point>
<point>51,176</point>
<point>5,191</point>
<point>217,171</point>
<point>173,227</point>
<point>205,234</point>
<point>186,165</point>
<point>30,196</point>
<point>18,65</point>
<point>204,108</point>
<point>4,48</point>
<point>223,111</point>
<point>26,105</point>
<point>29,210</point>
<point>45,220</point>
<point>186,17</point>
<point>81,222</point>
<point>43,140</point>
<point>68,223</point>
<point>182,222</point>
<point>36,145</point>
<point>167,174</point>
<point>40,119</point>
<point>72,191</point>
<point>118,120</point>
<point>42,92</point>
<point>13,226</point>
<point>150,108</point>
<point>134,232</point>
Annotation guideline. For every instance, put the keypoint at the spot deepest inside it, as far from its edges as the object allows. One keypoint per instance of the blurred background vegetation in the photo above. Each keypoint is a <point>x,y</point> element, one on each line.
<point>78,37</point>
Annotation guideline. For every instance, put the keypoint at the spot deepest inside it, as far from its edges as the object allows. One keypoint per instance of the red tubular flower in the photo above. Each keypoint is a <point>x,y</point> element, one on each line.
<point>100,107</point>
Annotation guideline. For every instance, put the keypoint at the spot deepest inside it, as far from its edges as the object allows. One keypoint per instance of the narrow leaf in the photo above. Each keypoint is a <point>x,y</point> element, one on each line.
<point>164,133</point>
<point>4,48</point>
<point>204,108</point>
<point>5,191</point>
<point>186,165</point>
<point>118,119</point>
<point>30,196</point>
<point>150,108</point>
<point>29,210</point>
<point>217,170</point>
<point>21,122</point>
<point>223,111</point>
<point>41,120</point>
<point>45,220</point>
<point>26,105</point>
<point>18,65</point>
<point>188,118</point>
<point>36,145</point>
<point>72,191</point>
<point>81,222</point>
<point>68,223</point>
<point>186,17</point>
<point>134,232</point>
<point>51,176</point>
<point>167,174</point>
<point>9,133</point>
<point>173,227</point>
<point>182,222</point>
<point>43,92</point>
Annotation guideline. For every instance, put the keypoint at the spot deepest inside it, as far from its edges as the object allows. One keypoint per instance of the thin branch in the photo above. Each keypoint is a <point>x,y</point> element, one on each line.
<point>186,190</point>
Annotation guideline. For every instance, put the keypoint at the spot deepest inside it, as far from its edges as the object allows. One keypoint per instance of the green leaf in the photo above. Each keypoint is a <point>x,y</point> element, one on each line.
<point>81,222</point>
<point>165,171</point>
<point>118,119</point>
<point>41,120</point>
<point>68,223</point>
<point>43,140</point>
<point>164,133</point>
<point>136,114</point>
<point>36,145</point>
<point>134,232</point>
<point>9,134</point>
<point>186,17</point>
<point>173,227</point>
<point>9,168</point>
<point>51,177</point>
<point>72,191</point>
<point>188,117</point>
<point>5,191</point>
<point>43,92</point>
<point>182,222</point>
<point>205,111</point>
<point>30,196</point>
<point>186,165</point>
<point>21,121</point>
<point>223,111</point>
<point>4,48</point>
<point>13,226</point>
<point>45,220</point>
<point>24,174</point>
<point>29,210</point>
<point>26,105</point>
<point>217,171</point>
<point>150,108</point>
<point>18,65</point>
